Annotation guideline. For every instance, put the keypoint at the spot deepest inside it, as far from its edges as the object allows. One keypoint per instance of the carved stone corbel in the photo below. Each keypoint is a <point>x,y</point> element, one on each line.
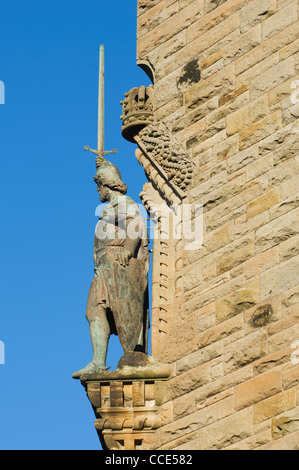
<point>126,404</point>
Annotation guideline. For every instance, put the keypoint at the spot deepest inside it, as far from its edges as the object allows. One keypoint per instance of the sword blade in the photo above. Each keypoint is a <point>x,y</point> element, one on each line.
<point>101,103</point>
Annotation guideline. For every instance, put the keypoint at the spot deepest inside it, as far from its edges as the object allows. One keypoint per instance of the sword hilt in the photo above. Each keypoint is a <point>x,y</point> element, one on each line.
<point>86,148</point>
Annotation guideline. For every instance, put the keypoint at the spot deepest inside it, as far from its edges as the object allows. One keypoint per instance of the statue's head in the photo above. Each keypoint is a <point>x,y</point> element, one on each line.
<point>108,179</point>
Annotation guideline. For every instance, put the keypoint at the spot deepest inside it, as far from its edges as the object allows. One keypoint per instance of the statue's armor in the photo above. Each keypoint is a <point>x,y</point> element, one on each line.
<point>120,290</point>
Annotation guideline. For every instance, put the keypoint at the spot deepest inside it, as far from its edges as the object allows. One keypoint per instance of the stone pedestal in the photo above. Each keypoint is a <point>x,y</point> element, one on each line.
<point>126,402</point>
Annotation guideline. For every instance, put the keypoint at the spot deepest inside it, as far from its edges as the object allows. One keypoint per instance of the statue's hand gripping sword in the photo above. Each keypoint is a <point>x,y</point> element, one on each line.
<point>100,152</point>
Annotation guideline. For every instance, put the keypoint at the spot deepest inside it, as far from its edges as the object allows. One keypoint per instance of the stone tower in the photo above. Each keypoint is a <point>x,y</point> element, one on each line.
<point>218,129</point>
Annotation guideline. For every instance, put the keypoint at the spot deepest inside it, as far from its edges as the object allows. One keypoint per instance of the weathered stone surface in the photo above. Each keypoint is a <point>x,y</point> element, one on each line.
<point>237,301</point>
<point>285,423</point>
<point>263,203</point>
<point>277,231</point>
<point>274,406</point>
<point>244,351</point>
<point>230,336</point>
<point>257,389</point>
<point>256,12</point>
<point>279,278</point>
<point>280,20</point>
<point>227,431</point>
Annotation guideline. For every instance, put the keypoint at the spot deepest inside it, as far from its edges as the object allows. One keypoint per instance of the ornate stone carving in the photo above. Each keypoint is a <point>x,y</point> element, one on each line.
<point>167,151</point>
<point>126,404</point>
<point>164,159</point>
<point>137,111</point>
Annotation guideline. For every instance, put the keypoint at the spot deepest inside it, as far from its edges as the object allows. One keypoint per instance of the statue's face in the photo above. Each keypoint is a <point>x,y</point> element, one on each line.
<point>103,192</point>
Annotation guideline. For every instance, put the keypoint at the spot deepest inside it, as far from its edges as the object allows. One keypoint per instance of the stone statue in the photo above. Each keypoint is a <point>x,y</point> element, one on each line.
<point>117,301</point>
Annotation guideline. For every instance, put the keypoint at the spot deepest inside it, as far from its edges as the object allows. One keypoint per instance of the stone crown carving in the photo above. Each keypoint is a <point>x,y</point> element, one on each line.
<point>164,152</point>
<point>137,110</point>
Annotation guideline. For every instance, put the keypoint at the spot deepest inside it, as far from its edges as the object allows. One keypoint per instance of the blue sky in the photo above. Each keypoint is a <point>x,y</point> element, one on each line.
<point>49,65</point>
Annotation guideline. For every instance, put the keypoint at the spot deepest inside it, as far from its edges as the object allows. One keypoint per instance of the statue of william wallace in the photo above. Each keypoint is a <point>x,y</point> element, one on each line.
<point>118,296</point>
<point>117,300</point>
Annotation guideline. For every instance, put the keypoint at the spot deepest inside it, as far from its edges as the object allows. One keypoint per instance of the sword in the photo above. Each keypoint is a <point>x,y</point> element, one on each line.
<point>100,152</point>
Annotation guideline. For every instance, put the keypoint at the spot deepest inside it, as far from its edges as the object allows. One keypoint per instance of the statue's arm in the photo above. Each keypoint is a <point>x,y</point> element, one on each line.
<point>131,242</point>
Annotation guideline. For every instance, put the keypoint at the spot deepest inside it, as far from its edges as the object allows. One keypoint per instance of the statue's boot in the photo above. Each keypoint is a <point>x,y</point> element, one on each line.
<point>90,369</point>
<point>99,335</point>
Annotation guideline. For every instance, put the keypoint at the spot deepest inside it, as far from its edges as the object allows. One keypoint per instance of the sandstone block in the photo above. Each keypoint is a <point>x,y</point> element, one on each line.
<point>280,20</point>
<point>287,442</point>
<point>227,431</point>
<point>246,77</point>
<point>281,173</point>
<point>285,423</point>
<point>215,411</point>
<point>218,332</point>
<point>259,263</point>
<point>193,277</point>
<point>274,406</point>
<point>277,231</point>
<point>290,375</point>
<point>242,45</point>
<point>223,81</point>
<point>191,424</point>
<point>145,5</point>
<point>188,381</point>
<point>151,18</point>
<point>290,297</point>
<point>243,159</point>
<point>281,91</point>
<point>235,259</point>
<point>257,389</point>
<point>172,25</point>
<point>270,78</point>
<point>183,406</point>
<point>289,50</point>
<point>263,203</point>
<point>211,59</point>
<point>220,237</point>
<point>223,385</point>
<point>289,248</point>
<point>289,190</point>
<point>258,131</point>
<point>279,278</point>
<point>237,302</point>
<point>202,35</point>
<point>226,148</point>
<point>255,12</point>
<point>253,442</point>
<point>267,48</point>
<point>272,360</point>
<point>259,167</point>
<point>211,4</point>
<point>247,115</point>
<point>244,351</point>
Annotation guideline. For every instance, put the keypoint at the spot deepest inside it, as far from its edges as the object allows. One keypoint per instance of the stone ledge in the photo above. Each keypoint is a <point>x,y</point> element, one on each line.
<point>135,365</point>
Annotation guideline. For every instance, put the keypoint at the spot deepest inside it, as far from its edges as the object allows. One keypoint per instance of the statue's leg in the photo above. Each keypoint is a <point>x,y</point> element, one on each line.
<point>99,334</point>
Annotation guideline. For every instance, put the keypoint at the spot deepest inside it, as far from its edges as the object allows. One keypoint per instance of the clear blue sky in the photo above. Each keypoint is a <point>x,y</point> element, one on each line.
<point>49,65</point>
